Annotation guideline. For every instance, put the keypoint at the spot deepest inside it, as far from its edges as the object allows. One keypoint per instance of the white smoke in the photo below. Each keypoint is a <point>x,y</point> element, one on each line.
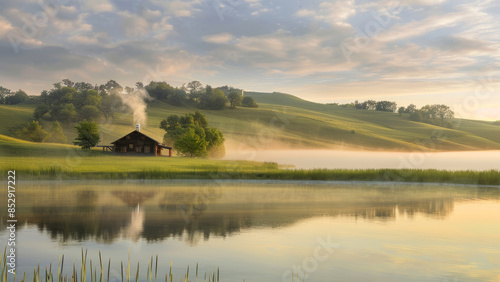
<point>136,101</point>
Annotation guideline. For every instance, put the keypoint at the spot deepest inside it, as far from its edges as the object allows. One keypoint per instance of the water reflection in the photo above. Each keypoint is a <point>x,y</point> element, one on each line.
<point>155,211</point>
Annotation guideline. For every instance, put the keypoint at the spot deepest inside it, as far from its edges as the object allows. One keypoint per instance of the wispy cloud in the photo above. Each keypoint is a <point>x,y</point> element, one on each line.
<point>424,47</point>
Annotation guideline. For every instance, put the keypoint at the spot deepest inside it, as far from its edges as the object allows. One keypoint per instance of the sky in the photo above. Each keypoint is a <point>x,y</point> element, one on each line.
<point>408,51</point>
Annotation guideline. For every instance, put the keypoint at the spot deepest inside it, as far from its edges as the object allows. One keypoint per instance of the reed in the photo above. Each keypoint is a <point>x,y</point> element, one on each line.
<point>81,275</point>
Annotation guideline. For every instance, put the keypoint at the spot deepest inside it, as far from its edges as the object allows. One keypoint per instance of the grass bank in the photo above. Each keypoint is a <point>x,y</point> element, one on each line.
<point>33,161</point>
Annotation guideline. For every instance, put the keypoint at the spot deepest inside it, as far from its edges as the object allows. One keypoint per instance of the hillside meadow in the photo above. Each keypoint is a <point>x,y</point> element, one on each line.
<point>285,121</point>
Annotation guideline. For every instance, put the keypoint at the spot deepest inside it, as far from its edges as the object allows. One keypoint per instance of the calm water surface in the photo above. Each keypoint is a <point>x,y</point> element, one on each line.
<point>262,231</point>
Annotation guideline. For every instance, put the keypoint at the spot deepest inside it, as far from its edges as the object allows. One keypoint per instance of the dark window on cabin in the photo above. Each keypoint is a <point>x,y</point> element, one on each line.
<point>131,146</point>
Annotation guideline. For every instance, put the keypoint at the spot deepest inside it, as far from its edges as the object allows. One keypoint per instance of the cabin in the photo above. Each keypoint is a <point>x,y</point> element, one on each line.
<point>137,142</point>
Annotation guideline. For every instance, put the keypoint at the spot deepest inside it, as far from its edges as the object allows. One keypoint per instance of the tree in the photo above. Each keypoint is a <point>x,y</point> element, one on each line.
<point>401,110</point>
<point>192,137</point>
<point>68,82</point>
<point>177,98</point>
<point>110,104</point>
<point>33,132</point>
<point>159,89</point>
<point>192,143</point>
<point>4,92</point>
<point>88,97</point>
<point>41,112</point>
<point>82,86</point>
<point>194,86</point>
<point>215,146</point>
<point>410,109</point>
<point>19,97</point>
<point>416,116</point>
<point>91,113</point>
<point>65,112</point>
<point>386,106</point>
<point>88,134</point>
<point>56,134</point>
<point>234,99</point>
<point>62,95</point>
<point>437,113</point>
<point>443,113</point>
<point>369,105</point>
<point>170,123</point>
<point>199,119</point>
<point>213,99</point>
<point>248,102</point>
<point>358,105</point>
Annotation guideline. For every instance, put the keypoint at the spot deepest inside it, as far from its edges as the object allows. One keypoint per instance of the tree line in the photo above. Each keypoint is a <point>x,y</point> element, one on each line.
<point>12,98</point>
<point>197,95</point>
<point>437,114</point>
<point>70,101</point>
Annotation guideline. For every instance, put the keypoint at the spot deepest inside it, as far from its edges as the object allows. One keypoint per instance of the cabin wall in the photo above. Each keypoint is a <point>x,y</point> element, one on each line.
<point>135,143</point>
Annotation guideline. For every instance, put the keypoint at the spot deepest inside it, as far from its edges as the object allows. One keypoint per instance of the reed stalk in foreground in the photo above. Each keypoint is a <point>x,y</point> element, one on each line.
<point>151,267</point>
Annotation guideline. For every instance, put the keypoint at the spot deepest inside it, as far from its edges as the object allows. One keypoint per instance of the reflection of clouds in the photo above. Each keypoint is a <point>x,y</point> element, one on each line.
<point>134,229</point>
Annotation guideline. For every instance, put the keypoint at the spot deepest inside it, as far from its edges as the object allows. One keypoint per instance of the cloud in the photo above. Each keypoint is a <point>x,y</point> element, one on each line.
<point>336,12</point>
<point>466,46</point>
<point>429,46</point>
<point>220,38</point>
<point>97,5</point>
<point>5,26</point>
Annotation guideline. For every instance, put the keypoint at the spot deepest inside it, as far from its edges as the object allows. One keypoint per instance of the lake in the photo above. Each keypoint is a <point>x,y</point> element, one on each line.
<point>332,159</point>
<point>264,230</point>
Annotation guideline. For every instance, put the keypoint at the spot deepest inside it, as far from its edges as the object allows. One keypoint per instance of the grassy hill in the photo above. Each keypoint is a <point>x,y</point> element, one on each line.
<point>285,121</point>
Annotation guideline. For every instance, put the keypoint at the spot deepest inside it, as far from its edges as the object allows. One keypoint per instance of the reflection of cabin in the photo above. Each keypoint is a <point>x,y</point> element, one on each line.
<point>137,142</point>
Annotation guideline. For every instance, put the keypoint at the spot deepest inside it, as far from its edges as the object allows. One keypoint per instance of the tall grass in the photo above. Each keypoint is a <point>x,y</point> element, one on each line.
<point>250,171</point>
<point>82,275</point>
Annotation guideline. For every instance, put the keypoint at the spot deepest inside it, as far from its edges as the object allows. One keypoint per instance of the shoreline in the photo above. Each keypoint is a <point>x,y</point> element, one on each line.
<point>174,182</point>
<point>463,177</point>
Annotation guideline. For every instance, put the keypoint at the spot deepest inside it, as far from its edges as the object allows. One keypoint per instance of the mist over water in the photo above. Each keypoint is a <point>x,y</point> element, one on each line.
<point>333,159</point>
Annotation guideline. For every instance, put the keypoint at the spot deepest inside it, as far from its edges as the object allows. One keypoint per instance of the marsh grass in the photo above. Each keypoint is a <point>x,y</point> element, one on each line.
<point>50,161</point>
<point>192,169</point>
<point>102,275</point>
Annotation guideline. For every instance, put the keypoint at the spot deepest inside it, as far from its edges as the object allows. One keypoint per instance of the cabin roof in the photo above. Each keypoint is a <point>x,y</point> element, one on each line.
<point>140,133</point>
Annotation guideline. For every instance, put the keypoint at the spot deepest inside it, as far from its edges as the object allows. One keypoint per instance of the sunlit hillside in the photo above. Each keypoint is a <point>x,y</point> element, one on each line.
<point>285,121</point>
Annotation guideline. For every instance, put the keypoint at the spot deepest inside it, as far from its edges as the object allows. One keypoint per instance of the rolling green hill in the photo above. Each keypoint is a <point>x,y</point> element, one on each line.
<point>285,121</point>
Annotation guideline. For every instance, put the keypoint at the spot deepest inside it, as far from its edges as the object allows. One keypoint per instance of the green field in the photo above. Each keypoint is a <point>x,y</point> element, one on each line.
<point>285,121</point>
<point>60,162</point>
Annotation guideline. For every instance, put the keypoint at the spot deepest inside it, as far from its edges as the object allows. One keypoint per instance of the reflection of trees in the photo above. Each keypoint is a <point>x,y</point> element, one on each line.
<point>197,214</point>
<point>133,198</point>
<point>433,207</point>
<point>79,221</point>
<point>83,218</point>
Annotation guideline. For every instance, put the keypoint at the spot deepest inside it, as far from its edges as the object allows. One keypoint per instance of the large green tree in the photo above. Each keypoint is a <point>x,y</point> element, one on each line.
<point>192,142</point>
<point>192,137</point>
<point>88,134</point>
